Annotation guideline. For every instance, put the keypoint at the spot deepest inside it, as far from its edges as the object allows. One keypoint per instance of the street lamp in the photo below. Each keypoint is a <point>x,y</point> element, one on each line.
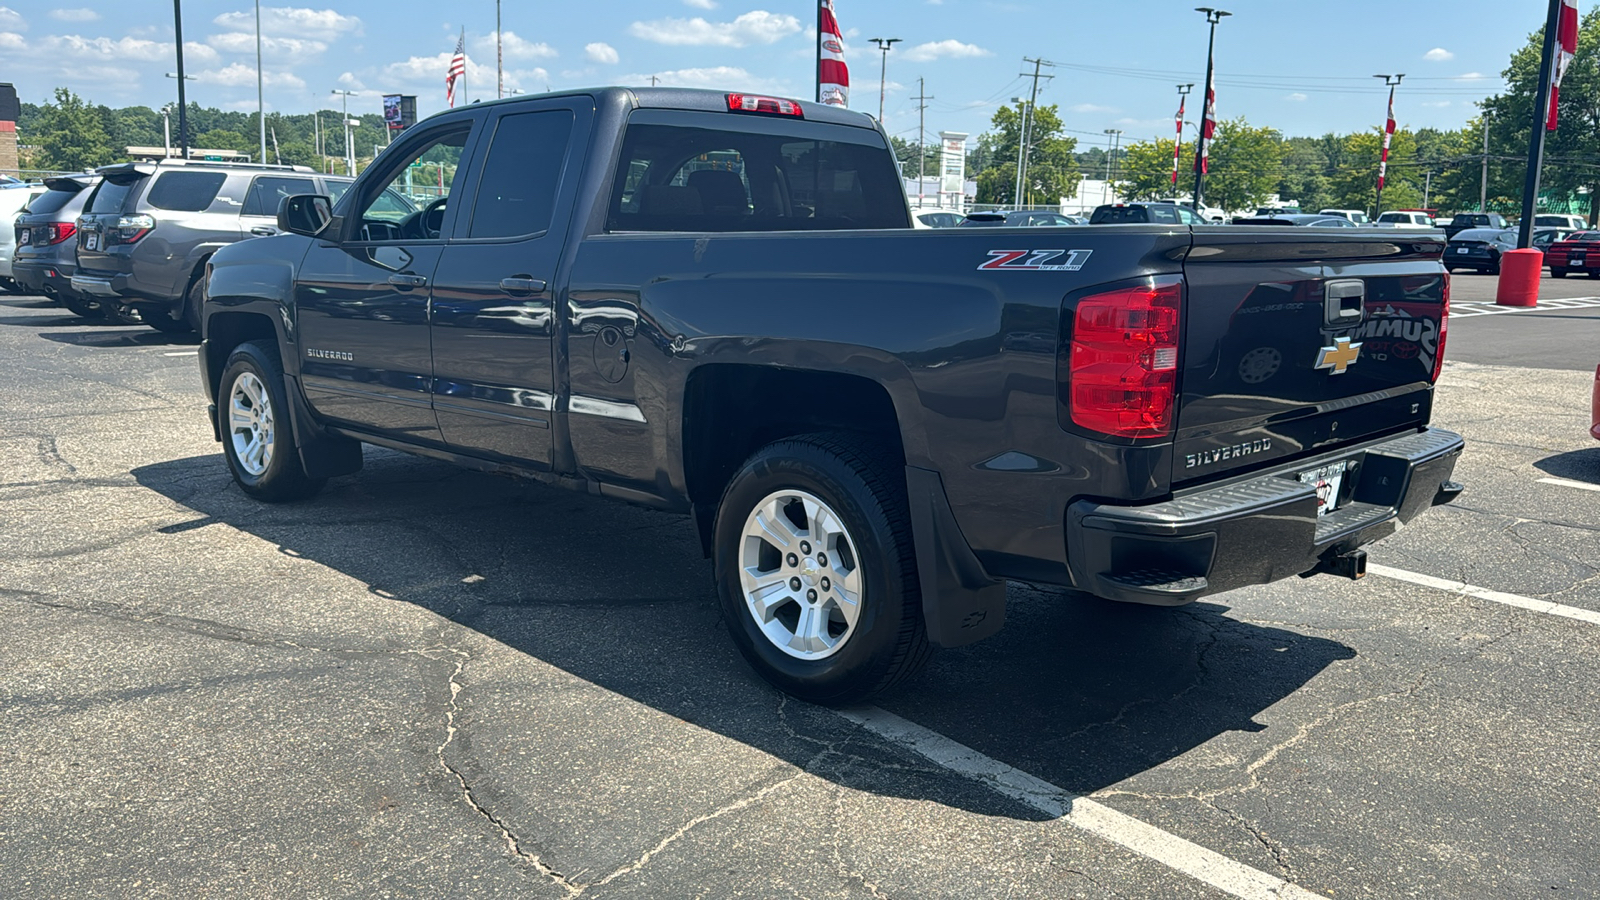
<point>261,103</point>
<point>1391,82</point>
<point>183,118</point>
<point>1213,16</point>
<point>349,139</point>
<point>166,131</point>
<point>1113,139</point>
<point>884,44</point>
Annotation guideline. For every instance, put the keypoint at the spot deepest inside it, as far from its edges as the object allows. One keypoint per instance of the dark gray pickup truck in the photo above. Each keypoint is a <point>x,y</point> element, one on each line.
<point>715,304</point>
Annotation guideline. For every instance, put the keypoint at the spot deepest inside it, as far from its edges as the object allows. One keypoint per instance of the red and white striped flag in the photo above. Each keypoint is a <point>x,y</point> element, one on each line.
<point>1208,128</point>
<point>1388,133</point>
<point>1566,49</point>
<point>1177,148</point>
<point>833,76</point>
<point>457,71</point>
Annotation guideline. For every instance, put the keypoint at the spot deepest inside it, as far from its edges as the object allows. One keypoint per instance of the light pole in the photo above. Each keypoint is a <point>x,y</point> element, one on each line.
<point>1177,146</point>
<point>349,140</point>
<point>1213,16</point>
<point>166,131</point>
<point>183,104</point>
<point>1022,145</point>
<point>1391,82</point>
<point>261,103</point>
<point>499,55</point>
<point>1113,138</point>
<point>884,44</point>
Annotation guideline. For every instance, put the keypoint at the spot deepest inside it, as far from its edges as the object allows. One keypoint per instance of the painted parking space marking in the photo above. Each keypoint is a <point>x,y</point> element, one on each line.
<point>1227,875</point>
<point>1580,485</point>
<point>1466,309</point>
<point>1461,587</point>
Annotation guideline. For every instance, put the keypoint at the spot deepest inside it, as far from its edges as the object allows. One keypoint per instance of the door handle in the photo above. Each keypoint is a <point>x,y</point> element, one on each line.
<point>406,282</point>
<point>521,287</point>
<point>263,231</point>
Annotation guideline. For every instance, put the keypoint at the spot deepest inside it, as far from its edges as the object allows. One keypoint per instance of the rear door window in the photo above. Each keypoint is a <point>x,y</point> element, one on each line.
<point>185,191</point>
<point>754,175</point>
<point>268,191</point>
<point>50,202</point>
<point>517,191</point>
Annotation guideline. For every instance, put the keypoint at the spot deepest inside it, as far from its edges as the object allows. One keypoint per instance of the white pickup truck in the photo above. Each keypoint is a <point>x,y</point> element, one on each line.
<point>1405,219</point>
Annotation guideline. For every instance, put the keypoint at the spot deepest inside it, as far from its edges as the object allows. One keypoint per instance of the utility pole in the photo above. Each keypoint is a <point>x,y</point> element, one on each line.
<point>1208,107</point>
<point>183,104</point>
<point>922,151</point>
<point>349,140</point>
<point>884,44</point>
<point>1427,187</point>
<point>1025,144</point>
<point>1391,82</point>
<point>654,81</point>
<point>261,103</point>
<point>1541,113</point>
<point>1177,146</point>
<point>1113,138</point>
<point>499,55</point>
<point>166,130</point>
<point>1483,184</point>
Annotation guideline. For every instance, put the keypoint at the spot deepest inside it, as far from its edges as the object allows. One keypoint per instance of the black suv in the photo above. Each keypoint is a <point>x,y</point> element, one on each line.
<point>1462,221</point>
<point>148,229</point>
<point>1145,214</point>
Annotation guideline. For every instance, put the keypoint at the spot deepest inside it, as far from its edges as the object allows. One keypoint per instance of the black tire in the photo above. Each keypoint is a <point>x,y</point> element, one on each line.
<point>78,306</point>
<point>192,299</point>
<point>1557,272</point>
<point>1494,267</point>
<point>283,478</point>
<point>117,314</point>
<point>866,489</point>
<point>162,321</point>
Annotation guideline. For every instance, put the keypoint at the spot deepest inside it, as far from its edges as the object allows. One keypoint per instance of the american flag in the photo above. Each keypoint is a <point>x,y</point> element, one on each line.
<point>1388,134</point>
<point>1177,148</point>
<point>458,70</point>
<point>1566,49</point>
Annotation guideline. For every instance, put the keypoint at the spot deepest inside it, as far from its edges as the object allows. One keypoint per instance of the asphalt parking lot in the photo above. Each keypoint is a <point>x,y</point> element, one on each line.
<point>430,682</point>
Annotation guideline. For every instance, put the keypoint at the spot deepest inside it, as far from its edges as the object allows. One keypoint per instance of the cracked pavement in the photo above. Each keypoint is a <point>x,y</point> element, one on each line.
<point>429,682</point>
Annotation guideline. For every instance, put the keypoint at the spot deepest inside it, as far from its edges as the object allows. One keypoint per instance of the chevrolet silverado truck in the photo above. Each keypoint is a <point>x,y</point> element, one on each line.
<point>715,304</point>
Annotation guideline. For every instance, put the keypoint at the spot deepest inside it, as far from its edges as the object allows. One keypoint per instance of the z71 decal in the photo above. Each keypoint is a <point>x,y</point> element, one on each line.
<point>1036,260</point>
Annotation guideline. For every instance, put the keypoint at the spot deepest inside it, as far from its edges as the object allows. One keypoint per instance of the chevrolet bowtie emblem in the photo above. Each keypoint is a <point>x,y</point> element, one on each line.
<point>1341,356</point>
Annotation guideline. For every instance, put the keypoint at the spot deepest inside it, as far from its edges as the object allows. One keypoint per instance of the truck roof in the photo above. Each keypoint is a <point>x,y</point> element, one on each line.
<point>694,99</point>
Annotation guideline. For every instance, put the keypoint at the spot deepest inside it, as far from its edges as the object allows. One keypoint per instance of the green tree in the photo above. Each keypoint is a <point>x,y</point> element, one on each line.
<point>1052,169</point>
<point>1244,165</point>
<point>1145,169</point>
<point>70,135</point>
<point>1355,184</point>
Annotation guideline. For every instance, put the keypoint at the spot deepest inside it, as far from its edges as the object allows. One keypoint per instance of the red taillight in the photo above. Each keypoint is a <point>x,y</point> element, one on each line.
<point>1124,360</point>
<point>1444,327</point>
<point>60,231</point>
<point>751,103</point>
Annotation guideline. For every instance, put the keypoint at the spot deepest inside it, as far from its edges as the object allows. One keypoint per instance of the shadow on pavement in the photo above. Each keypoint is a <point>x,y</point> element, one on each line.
<point>137,336</point>
<point>1079,692</point>
<point>1576,465</point>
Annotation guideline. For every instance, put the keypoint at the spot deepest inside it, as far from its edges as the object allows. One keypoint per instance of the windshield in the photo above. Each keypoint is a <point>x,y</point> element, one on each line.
<point>1478,234</point>
<point>51,201</point>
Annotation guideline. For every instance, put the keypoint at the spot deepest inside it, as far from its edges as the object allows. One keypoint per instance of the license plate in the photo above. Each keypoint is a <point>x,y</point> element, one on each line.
<point>1577,260</point>
<point>1463,250</point>
<point>1328,480</point>
<point>91,241</point>
<point>25,237</point>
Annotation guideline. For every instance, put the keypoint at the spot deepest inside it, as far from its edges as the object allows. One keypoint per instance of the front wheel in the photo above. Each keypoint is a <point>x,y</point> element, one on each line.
<point>257,440</point>
<point>816,570</point>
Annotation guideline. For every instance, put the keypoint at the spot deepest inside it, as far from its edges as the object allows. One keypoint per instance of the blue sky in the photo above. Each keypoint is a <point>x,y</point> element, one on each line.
<point>1301,67</point>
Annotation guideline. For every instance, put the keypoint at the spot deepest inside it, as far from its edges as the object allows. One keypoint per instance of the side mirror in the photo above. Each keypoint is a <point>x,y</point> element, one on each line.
<point>307,214</point>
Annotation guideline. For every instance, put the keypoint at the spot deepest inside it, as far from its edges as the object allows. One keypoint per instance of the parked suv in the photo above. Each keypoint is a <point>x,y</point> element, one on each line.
<point>44,259</point>
<point>1144,214</point>
<point>1462,221</point>
<point>148,229</point>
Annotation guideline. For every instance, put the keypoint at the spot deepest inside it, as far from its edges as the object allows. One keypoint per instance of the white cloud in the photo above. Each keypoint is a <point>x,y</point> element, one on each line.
<point>755,27</point>
<point>1436,104</point>
<point>701,4</point>
<point>1296,97</point>
<point>1470,76</point>
<point>293,49</point>
<point>602,53</point>
<point>11,20</point>
<point>313,24</point>
<point>1438,54</point>
<point>717,77</point>
<point>74,15</point>
<point>10,40</point>
<point>950,49</point>
<point>513,46</point>
<point>241,75</point>
<point>349,81</point>
<point>1091,108</point>
<point>127,48</point>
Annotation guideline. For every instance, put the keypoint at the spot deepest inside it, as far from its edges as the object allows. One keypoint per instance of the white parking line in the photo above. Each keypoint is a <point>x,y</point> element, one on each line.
<point>182,353</point>
<point>1229,876</point>
<point>1466,309</point>
<point>1571,484</point>
<point>1460,587</point>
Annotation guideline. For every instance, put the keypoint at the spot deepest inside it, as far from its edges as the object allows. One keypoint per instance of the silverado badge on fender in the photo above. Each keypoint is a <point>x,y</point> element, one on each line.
<point>1341,356</point>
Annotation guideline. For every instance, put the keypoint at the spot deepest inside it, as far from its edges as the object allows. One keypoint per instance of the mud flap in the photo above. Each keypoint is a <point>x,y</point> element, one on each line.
<point>322,454</point>
<point>960,602</point>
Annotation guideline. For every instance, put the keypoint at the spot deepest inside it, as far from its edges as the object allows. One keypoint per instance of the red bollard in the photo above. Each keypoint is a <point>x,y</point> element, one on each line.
<point>1520,271</point>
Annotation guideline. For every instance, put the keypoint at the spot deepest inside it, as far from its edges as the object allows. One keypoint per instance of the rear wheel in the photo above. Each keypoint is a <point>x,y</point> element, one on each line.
<point>257,440</point>
<point>162,321</point>
<point>78,306</point>
<point>816,570</point>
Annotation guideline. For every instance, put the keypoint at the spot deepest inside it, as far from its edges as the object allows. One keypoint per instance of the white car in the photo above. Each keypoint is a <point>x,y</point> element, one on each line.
<point>1406,219</point>
<point>1569,223</point>
<point>13,198</point>
<point>1354,216</point>
<point>1209,213</point>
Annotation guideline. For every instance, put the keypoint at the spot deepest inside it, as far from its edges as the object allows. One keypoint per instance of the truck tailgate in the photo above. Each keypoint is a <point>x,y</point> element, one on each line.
<point>1301,340</point>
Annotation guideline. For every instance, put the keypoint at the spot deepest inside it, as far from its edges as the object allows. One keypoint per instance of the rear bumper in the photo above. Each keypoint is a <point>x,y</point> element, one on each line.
<point>99,286</point>
<point>1257,529</point>
<point>41,276</point>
